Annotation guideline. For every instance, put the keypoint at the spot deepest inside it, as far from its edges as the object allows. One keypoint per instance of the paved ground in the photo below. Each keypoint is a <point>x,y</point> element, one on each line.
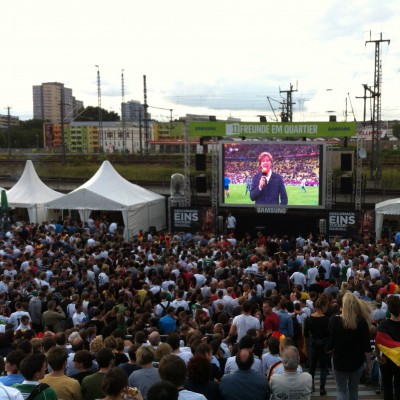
<point>365,392</point>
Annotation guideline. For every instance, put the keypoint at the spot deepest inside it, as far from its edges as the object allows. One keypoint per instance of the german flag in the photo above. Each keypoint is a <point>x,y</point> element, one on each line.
<point>389,347</point>
<point>278,335</point>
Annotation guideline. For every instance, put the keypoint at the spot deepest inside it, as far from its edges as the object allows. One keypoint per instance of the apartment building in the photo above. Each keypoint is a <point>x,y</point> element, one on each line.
<point>53,101</point>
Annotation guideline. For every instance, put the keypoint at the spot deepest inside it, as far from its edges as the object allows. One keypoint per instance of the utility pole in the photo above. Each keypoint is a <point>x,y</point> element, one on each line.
<point>62,104</point>
<point>9,130</point>
<point>365,97</point>
<point>287,115</point>
<point>123,113</point>
<point>376,104</point>
<point>140,133</point>
<point>101,139</point>
<point>146,118</point>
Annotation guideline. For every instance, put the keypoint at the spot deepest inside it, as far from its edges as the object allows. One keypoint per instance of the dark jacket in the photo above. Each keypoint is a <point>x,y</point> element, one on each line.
<point>348,345</point>
<point>273,192</point>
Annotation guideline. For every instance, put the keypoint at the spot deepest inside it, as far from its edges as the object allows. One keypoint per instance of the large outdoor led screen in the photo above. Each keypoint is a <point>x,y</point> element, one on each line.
<point>287,174</point>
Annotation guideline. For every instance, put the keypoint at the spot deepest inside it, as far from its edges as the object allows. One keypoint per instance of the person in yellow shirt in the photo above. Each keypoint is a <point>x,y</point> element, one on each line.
<point>66,388</point>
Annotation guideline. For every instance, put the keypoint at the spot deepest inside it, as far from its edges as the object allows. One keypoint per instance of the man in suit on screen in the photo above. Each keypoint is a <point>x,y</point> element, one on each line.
<point>267,187</point>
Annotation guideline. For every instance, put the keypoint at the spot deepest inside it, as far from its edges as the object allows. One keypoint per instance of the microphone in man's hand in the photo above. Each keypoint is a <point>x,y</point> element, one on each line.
<point>264,171</point>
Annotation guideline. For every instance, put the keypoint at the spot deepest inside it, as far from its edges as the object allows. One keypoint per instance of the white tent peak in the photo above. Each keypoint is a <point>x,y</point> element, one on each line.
<point>108,190</point>
<point>109,183</point>
<point>31,189</point>
<point>31,193</point>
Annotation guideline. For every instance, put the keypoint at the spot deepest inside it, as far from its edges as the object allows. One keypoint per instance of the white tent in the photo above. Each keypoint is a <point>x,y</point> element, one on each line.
<point>388,207</point>
<point>108,190</point>
<point>31,193</point>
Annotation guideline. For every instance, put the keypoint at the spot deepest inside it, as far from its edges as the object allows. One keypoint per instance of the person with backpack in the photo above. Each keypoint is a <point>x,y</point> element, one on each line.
<point>161,307</point>
<point>33,369</point>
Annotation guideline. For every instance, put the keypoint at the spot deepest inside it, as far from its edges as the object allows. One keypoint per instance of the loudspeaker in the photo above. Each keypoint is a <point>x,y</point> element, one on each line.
<point>346,185</point>
<point>220,224</point>
<point>346,162</point>
<point>201,184</point>
<point>322,226</point>
<point>200,162</point>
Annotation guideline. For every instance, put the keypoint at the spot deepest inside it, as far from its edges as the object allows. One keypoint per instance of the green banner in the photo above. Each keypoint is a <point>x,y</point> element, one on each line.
<point>273,129</point>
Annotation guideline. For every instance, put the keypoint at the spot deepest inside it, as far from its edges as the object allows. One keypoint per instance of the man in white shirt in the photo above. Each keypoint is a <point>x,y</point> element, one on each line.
<point>179,302</point>
<point>242,323</point>
<point>326,264</point>
<point>79,318</point>
<point>9,393</point>
<point>15,317</point>
<point>298,278</point>
<point>374,272</point>
<point>230,223</point>
<point>311,273</point>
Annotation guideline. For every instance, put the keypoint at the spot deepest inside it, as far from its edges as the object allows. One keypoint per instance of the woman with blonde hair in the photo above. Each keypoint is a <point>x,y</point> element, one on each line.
<point>163,349</point>
<point>349,341</point>
<point>344,288</point>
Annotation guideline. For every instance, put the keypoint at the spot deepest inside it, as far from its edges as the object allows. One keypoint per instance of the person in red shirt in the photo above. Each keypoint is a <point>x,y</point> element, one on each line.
<point>271,319</point>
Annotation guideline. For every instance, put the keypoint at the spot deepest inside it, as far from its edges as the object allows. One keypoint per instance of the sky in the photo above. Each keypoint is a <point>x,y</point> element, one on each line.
<point>214,57</point>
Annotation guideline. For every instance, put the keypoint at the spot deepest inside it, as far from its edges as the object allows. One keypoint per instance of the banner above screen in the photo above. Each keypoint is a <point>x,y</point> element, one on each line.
<point>273,129</point>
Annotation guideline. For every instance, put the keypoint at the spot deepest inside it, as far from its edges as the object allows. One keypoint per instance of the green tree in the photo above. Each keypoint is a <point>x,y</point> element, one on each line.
<point>92,114</point>
<point>396,130</point>
<point>28,134</point>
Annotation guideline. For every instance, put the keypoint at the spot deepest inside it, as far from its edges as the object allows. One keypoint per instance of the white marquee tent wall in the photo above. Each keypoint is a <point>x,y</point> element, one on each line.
<point>108,190</point>
<point>388,207</point>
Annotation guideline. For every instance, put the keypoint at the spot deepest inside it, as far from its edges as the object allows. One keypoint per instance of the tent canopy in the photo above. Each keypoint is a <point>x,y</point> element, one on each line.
<point>387,207</point>
<point>108,190</point>
<point>31,193</point>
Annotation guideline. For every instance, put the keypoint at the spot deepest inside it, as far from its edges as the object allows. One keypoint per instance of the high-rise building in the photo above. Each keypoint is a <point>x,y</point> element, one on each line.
<point>133,111</point>
<point>53,101</point>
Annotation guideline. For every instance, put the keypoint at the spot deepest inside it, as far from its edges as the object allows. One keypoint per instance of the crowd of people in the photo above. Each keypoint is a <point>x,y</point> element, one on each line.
<point>86,315</point>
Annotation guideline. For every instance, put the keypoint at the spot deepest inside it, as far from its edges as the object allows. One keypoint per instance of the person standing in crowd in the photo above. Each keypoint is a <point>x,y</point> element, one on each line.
<point>244,383</point>
<point>291,384</point>
<point>66,388</point>
<point>267,187</point>
<point>349,341</point>
<point>230,223</point>
<point>92,385</point>
<point>397,238</point>
<point>115,386</point>
<point>271,319</point>
<point>198,379</point>
<point>173,369</point>
<point>54,318</point>
<point>163,390</point>
<point>316,331</point>
<point>242,323</point>
<point>388,342</point>
<point>13,361</point>
<point>33,369</point>
<point>10,393</point>
<point>148,374</point>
